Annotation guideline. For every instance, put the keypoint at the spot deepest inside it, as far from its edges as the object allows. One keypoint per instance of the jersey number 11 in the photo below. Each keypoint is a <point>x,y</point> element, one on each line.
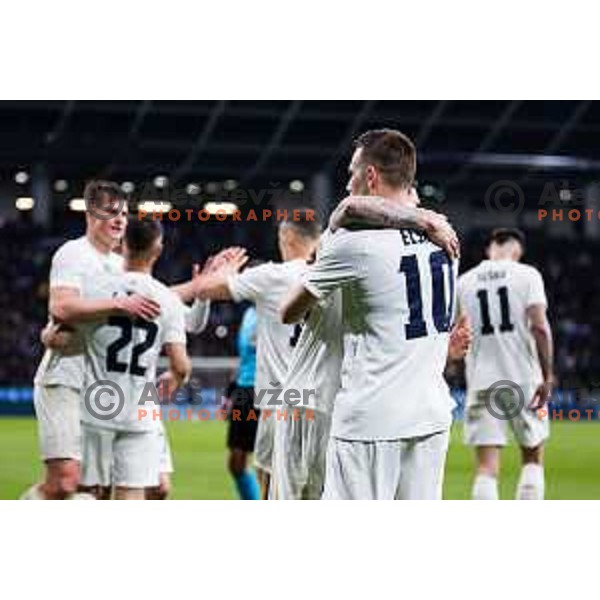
<point>486,324</point>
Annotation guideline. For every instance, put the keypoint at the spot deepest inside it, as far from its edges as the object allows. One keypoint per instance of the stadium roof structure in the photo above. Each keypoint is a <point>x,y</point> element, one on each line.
<point>464,146</point>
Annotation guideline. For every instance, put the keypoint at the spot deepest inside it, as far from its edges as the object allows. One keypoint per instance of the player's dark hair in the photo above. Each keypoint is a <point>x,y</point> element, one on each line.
<point>392,153</point>
<point>501,235</point>
<point>102,193</point>
<point>141,234</point>
<point>304,221</point>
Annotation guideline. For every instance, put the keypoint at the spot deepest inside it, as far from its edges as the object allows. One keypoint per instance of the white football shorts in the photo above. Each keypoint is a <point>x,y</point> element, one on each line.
<point>58,412</point>
<point>407,469</point>
<point>300,450</point>
<point>166,458</point>
<point>487,420</point>
<point>263,446</point>
<point>120,458</point>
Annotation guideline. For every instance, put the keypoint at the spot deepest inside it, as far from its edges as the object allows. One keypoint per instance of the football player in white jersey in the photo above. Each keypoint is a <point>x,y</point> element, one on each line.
<point>315,367</point>
<point>392,414</point>
<point>60,375</point>
<point>196,319</point>
<point>122,446</point>
<point>266,285</point>
<point>509,367</point>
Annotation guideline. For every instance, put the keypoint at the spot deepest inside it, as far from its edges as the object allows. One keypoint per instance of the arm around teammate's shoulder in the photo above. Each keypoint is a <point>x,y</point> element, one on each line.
<point>68,306</point>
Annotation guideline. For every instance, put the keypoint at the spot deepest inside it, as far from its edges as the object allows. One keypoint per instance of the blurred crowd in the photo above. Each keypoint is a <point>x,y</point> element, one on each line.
<point>567,266</point>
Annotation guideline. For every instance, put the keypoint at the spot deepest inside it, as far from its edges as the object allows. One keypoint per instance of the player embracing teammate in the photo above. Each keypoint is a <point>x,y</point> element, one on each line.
<point>396,293</point>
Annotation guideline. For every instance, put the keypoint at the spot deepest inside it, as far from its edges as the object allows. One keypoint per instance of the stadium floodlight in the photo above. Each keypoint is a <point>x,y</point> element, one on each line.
<point>154,206</point>
<point>77,204</point>
<point>22,177</point>
<point>229,185</point>
<point>24,203</point>
<point>128,187</point>
<point>221,331</point>
<point>192,189</point>
<point>565,195</point>
<point>428,190</point>
<point>61,185</point>
<point>227,208</point>
<point>161,181</point>
<point>296,185</point>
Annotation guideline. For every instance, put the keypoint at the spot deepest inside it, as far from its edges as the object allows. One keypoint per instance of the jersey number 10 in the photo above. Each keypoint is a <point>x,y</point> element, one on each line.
<point>442,314</point>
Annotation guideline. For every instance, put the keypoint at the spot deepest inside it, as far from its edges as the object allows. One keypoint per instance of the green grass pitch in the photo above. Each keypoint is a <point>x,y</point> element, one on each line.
<point>572,457</point>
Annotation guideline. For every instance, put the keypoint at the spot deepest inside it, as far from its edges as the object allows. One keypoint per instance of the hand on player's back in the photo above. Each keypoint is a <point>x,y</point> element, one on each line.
<point>440,232</point>
<point>139,306</point>
<point>58,337</point>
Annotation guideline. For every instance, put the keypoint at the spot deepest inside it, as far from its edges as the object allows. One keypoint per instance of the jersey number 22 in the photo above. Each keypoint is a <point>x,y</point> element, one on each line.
<point>126,325</point>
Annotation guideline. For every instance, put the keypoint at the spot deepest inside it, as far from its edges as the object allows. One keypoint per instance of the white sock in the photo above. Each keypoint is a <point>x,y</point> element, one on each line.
<point>485,487</point>
<point>531,482</point>
<point>33,493</point>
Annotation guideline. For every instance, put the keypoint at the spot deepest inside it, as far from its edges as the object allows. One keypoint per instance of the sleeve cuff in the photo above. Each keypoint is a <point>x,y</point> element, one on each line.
<point>231,284</point>
<point>312,289</point>
<point>65,283</point>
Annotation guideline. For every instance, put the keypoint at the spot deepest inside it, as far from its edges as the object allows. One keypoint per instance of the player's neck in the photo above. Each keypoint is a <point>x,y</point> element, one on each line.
<point>501,256</point>
<point>298,253</point>
<point>100,245</point>
<point>401,197</point>
<point>138,266</point>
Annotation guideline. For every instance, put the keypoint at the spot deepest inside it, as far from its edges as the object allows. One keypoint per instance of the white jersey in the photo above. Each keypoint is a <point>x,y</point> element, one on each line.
<point>496,295</point>
<point>316,363</point>
<point>125,351</point>
<point>72,264</point>
<point>397,304</point>
<point>267,286</point>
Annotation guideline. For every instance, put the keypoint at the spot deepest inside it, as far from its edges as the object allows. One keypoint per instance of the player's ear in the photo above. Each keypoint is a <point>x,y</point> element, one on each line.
<point>158,248</point>
<point>372,178</point>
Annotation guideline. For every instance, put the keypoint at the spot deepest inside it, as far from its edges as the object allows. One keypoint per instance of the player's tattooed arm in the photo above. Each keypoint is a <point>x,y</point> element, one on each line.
<point>377,212</point>
<point>542,334</point>
<point>296,305</point>
<point>68,306</point>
